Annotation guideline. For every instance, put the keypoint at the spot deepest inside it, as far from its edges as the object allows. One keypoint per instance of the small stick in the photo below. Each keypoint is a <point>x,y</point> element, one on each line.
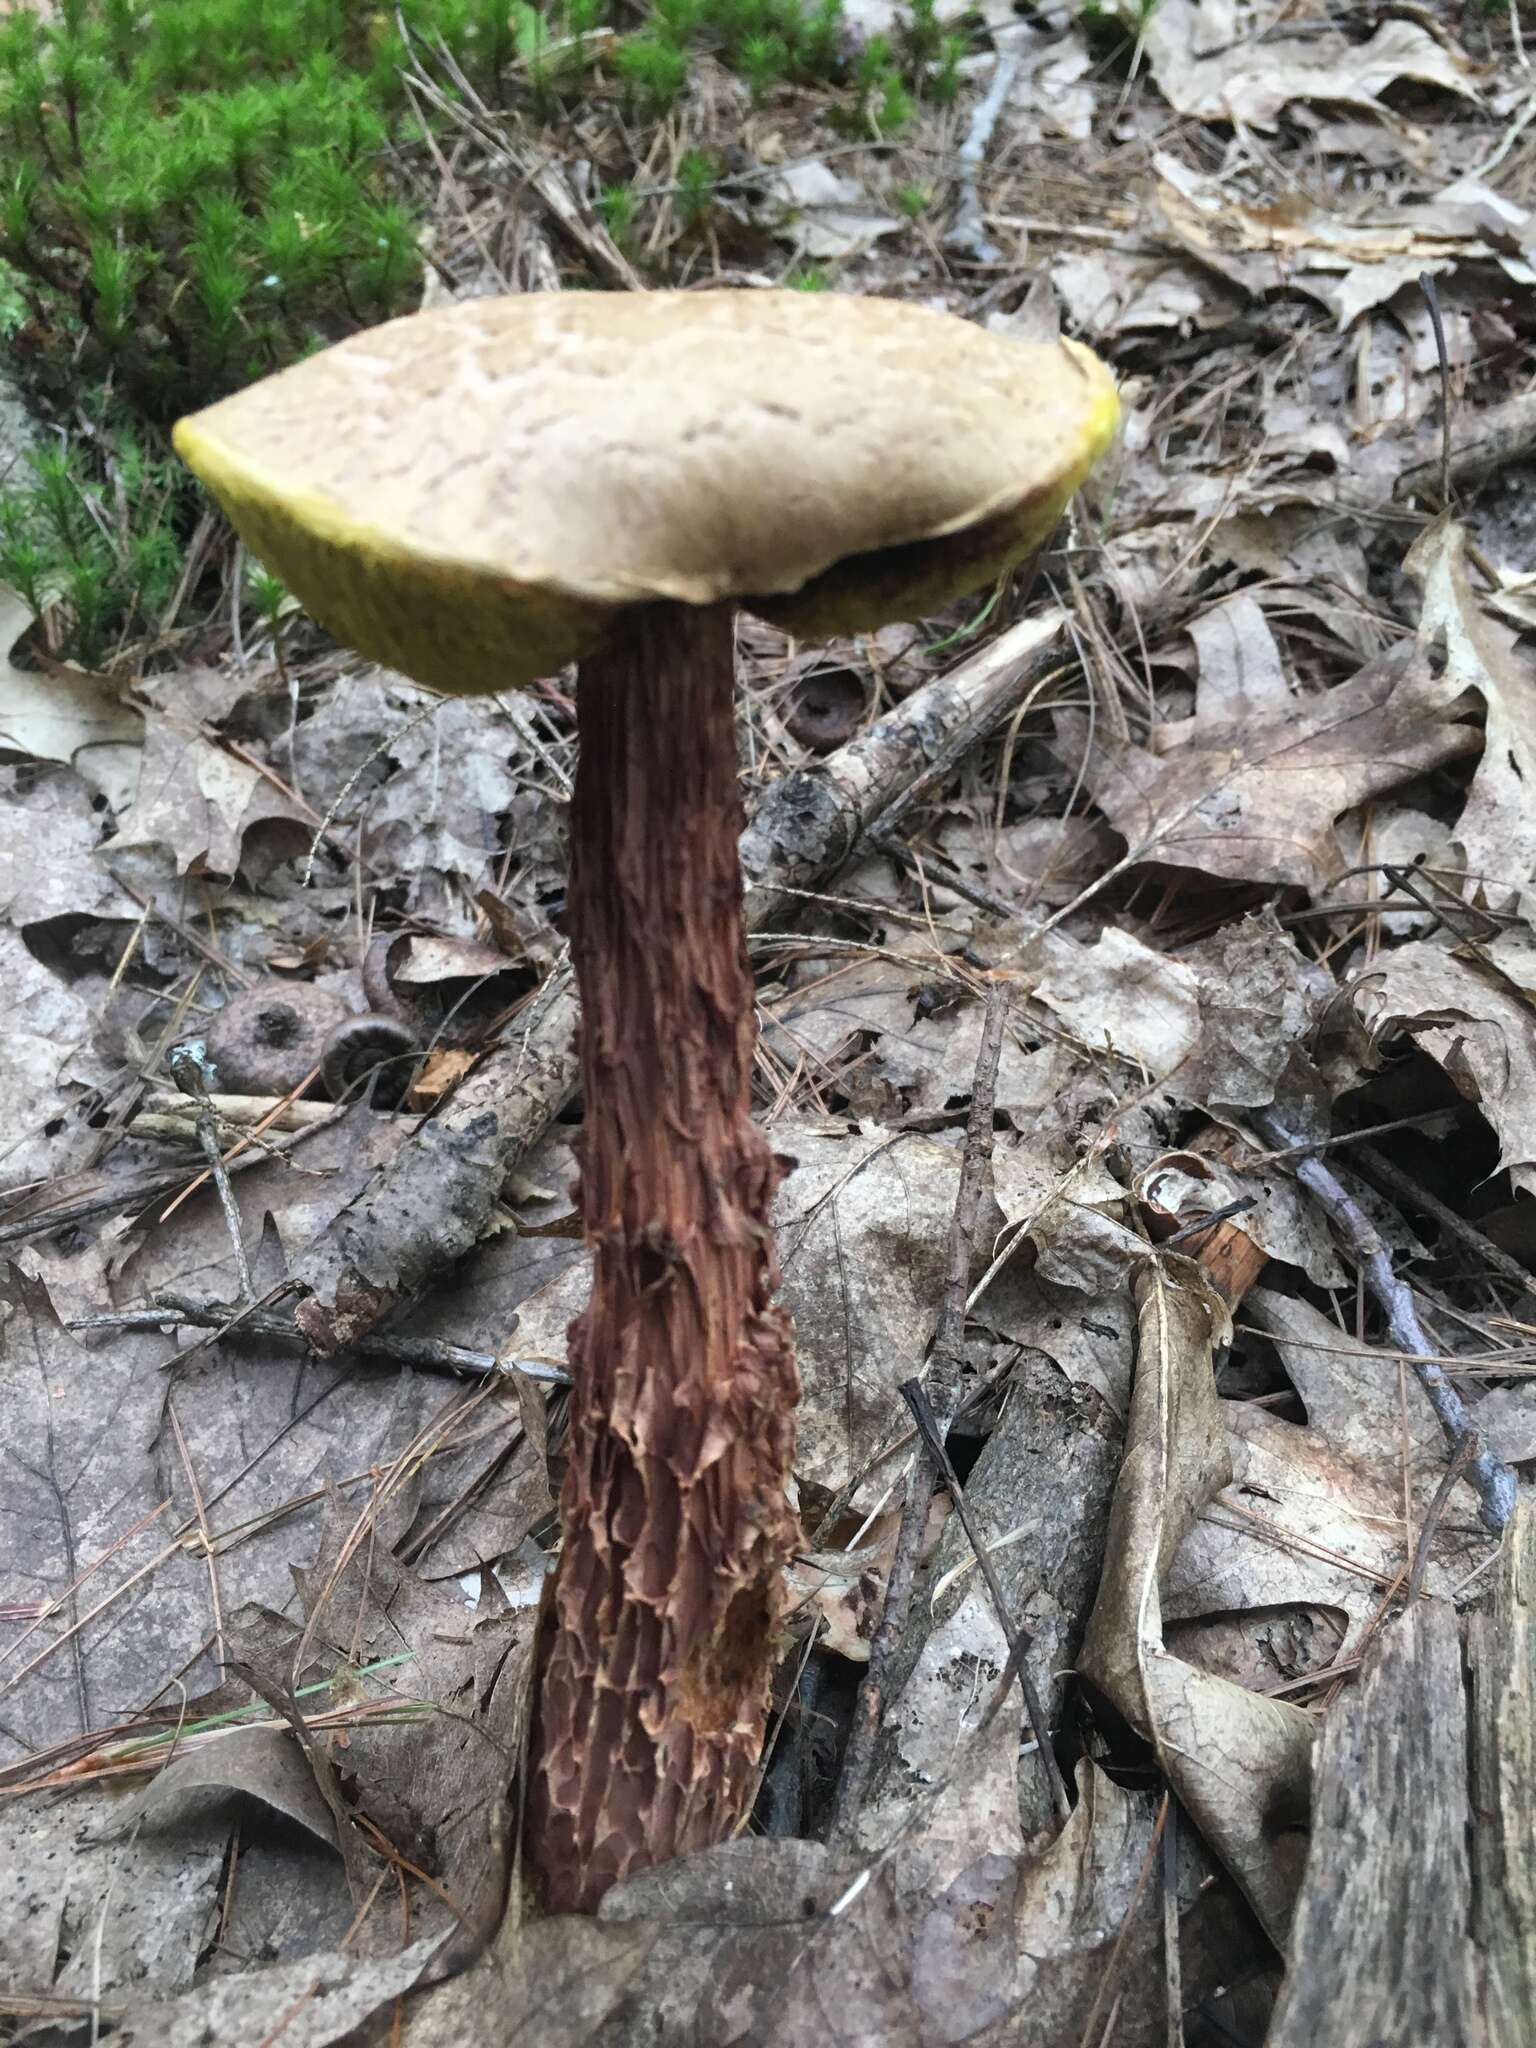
<point>1173,1975</point>
<point>1370,1162</point>
<point>946,1362</point>
<point>189,1067</point>
<point>1018,1639</point>
<point>968,236</point>
<point>1432,1519</point>
<point>1493,1482</point>
<point>1398,1123</point>
<point>1212,1217</point>
<point>431,1354</point>
<point>1432,300</point>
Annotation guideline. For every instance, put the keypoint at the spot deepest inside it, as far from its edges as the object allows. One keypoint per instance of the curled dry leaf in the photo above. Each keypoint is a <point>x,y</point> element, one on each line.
<point>1475,1026</point>
<point>1256,801</point>
<point>1249,69</point>
<point>1238,1762</point>
<point>1497,827</point>
<point>52,714</point>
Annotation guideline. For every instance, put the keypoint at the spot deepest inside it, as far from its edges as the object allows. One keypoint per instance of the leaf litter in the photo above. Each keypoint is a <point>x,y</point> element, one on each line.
<point>1257,838</point>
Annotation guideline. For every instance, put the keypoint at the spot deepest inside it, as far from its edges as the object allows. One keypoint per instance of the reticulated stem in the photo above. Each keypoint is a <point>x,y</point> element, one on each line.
<point>656,1665</point>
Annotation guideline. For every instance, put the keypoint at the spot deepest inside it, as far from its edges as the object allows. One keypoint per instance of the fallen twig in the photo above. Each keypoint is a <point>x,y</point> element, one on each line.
<point>1018,1639</point>
<point>1433,1519</point>
<point>967,235</point>
<point>1381,1171</point>
<point>428,1354</point>
<point>1494,1483</point>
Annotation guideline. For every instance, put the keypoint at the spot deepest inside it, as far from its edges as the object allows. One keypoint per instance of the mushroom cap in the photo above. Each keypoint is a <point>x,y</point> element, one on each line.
<point>475,494</point>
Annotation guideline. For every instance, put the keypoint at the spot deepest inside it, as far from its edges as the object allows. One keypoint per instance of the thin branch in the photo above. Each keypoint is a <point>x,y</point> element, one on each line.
<point>1494,1483</point>
<point>1018,1639</point>
<point>430,1354</point>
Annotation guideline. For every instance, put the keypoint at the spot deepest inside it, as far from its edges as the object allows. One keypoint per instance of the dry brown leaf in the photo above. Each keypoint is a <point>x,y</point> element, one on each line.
<point>47,1023</point>
<point>1121,995</point>
<point>1497,827</point>
<point>1242,674</point>
<point>48,865</point>
<point>1241,65</point>
<point>317,2000</point>
<point>781,1944</point>
<point>1472,1023</point>
<point>75,1914</point>
<point>821,213</point>
<point>1257,801</point>
<point>201,800</point>
<point>53,714</point>
<point>1238,1762</point>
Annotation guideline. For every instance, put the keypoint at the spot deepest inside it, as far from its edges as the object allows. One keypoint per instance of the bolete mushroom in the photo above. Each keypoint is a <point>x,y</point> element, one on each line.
<point>479,495</point>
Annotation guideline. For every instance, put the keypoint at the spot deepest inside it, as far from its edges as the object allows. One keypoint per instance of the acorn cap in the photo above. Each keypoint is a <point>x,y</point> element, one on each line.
<point>474,494</point>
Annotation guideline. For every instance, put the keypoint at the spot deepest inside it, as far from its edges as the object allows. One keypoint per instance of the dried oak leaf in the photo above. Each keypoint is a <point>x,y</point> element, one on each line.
<point>1472,1023</point>
<point>203,801</point>
<point>1497,826</point>
<point>1257,800</point>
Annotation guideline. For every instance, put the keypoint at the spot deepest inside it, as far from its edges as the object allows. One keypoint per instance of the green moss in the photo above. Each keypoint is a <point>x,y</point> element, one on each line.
<point>93,530</point>
<point>695,186</point>
<point>195,192</point>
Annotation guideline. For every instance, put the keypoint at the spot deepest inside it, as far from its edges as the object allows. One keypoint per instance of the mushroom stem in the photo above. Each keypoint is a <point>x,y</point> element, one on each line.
<point>659,1650</point>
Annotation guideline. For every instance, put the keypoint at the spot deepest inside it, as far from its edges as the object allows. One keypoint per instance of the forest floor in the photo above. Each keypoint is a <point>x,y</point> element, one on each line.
<point>1219,879</point>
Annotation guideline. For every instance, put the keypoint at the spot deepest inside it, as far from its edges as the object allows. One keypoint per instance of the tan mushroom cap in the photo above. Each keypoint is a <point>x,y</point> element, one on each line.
<point>469,494</point>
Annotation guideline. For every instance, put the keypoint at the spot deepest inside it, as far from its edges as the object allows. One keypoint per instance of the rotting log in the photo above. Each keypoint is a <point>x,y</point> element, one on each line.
<point>434,1200</point>
<point>1403,1933</point>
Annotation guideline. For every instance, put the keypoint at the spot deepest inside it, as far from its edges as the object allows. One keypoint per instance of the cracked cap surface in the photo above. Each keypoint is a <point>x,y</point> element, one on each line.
<point>474,494</point>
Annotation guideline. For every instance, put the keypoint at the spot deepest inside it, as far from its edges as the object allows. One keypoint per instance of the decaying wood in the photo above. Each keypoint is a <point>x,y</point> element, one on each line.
<point>1400,1935</point>
<point>675,1518</point>
<point>436,1197</point>
<point>1503,1660</point>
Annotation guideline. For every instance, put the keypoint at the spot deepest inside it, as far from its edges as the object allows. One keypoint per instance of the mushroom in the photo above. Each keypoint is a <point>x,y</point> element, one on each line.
<point>479,495</point>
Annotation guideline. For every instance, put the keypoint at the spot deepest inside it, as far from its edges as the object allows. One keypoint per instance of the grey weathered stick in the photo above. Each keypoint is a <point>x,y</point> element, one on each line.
<point>1493,1482</point>
<point>967,235</point>
<point>434,1200</point>
<point>427,1354</point>
<point>1380,1170</point>
<point>946,1362</point>
<point>1017,1638</point>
